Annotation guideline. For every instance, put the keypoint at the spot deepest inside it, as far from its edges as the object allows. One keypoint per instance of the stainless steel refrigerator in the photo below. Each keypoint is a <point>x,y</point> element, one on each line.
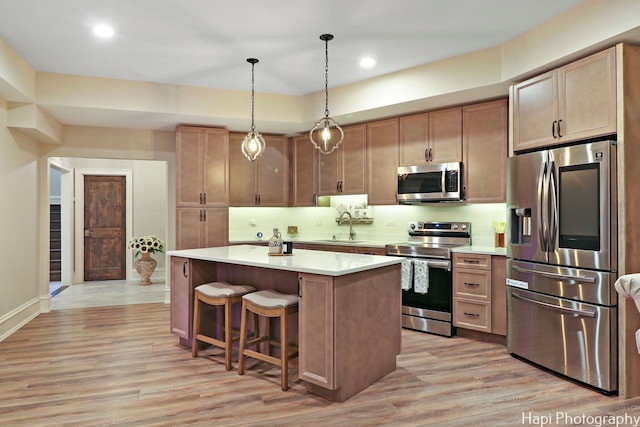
<point>562,261</point>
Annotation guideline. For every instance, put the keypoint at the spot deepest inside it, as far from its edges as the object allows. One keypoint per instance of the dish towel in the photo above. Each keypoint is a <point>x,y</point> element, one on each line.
<point>628,286</point>
<point>421,276</point>
<point>407,274</point>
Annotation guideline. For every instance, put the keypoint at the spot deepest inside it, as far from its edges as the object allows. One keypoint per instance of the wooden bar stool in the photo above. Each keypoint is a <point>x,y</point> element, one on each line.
<point>268,304</point>
<point>217,294</point>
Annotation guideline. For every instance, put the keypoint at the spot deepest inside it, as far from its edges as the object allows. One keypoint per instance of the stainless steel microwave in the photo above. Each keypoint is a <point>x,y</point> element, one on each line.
<point>440,182</point>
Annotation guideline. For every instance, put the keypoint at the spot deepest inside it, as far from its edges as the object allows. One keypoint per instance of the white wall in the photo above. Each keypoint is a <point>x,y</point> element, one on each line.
<point>19,228</point>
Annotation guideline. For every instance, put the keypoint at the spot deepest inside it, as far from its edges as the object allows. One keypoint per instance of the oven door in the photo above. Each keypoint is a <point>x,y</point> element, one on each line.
<point>430,311</point>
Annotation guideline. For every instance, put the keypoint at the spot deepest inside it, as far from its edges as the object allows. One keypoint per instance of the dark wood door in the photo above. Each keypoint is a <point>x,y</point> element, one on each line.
<point>104,227</point>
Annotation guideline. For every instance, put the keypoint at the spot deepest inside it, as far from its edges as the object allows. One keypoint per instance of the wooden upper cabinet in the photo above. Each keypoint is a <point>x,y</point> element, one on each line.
<point>433,137</point>
<point>413,134</point>
<point>445,135</point>
<point>343,171</point>
<point>485,148</point>
<point>571,103</point>
<point>304,172</point>
<point>382,151</point>
<point>263,182</point>
<point>201,228</point>
<point>273,173</point>
<point>202,174</point>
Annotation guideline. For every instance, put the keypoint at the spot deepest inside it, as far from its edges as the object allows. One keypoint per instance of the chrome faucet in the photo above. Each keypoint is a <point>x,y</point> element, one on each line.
<point>352,233</point>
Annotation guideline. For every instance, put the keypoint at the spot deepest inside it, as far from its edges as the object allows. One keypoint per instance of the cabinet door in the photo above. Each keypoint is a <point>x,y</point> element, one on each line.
<point>329,166</point>
<point>382,151</point>
<point>535,108</point>
<point>354,165</point>
<point>304,172</point>
<point>316,325</point>
<point>242,174</point>
<point>188,228</point>
<point>413,135</point>
<point>485,148</point>
<point>215,155</point>
<point>587,97</point>
<point>180,298</point>
<point>445,135</point>
<point>272,173</point>
<point>215,227</point>
<point>189,166</point>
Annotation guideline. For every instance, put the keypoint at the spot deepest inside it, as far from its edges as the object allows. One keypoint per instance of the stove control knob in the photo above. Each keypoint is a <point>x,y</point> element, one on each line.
<point>412,226</point>
<point>455,226</point>
<point>463,226</point>
<point>420,225</point>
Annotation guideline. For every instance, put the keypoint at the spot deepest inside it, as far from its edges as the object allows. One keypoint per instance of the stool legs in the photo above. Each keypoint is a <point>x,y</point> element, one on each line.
<point>226,324</point>
<point>285,356</point>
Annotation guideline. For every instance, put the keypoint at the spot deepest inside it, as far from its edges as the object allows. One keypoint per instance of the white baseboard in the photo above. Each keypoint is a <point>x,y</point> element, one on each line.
<point>16,319</point>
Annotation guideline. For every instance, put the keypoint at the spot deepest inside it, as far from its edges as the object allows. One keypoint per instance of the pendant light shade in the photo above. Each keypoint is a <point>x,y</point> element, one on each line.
<point>326,135</point>
<point>253,144</point>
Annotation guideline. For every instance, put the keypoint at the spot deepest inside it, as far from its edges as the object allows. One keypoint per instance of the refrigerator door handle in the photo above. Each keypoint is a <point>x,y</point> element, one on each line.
<point>561,277</point>
<point>553,208</point>
<point>542,212</point>
<point>563,310</point>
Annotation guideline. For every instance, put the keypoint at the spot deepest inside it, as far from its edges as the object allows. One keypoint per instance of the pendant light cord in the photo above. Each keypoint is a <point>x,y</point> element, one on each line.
<point>253,126</point>
<point>326,77</point>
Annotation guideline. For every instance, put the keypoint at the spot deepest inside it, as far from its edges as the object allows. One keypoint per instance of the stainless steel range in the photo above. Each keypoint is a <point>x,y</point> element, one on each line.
<point>427,288</point>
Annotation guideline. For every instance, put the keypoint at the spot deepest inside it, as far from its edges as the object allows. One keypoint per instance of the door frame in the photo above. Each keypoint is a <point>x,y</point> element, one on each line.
<point>66,217</point>
<point>79,216</point>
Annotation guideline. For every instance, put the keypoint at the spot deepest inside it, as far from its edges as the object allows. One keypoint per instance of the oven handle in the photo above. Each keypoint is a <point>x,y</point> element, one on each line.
<point>561,277</point>
<point>432,263</point>
<point>564,310</point>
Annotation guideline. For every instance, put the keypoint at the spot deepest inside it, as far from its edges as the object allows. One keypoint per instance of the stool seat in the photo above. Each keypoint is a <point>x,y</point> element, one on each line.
<point>270,304</point>
<point>271,299</point>
<point>223,289</point>
<point>217,294</point>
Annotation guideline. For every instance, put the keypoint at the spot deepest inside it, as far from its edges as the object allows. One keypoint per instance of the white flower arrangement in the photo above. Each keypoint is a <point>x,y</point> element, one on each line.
<point>145,244</point>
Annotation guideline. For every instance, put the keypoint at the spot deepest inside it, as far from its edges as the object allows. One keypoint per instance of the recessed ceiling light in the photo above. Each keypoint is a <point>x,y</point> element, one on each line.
<point>103,31</point>
<point>367,62</point>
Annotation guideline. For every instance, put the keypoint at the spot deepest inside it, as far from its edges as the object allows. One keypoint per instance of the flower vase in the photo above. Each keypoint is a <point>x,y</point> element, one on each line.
<point>145,267</point>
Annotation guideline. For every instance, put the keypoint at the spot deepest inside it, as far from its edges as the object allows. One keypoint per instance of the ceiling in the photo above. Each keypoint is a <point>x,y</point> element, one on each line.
<point>205,43</point>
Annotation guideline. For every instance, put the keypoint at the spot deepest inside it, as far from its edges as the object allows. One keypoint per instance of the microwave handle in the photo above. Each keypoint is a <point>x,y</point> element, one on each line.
<point>443,183</point>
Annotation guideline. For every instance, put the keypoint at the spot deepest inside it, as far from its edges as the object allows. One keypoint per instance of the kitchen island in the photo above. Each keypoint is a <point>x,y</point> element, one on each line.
<point>349,322</point>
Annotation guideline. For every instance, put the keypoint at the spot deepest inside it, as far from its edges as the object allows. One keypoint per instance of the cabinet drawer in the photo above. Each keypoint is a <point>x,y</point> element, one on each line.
<point>368,250</point>
<point>472,314</point>
<point>474,284</point>
<point>479,261</point>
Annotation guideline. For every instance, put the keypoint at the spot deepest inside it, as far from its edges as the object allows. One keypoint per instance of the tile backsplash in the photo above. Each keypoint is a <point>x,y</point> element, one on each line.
<point>389,222</point>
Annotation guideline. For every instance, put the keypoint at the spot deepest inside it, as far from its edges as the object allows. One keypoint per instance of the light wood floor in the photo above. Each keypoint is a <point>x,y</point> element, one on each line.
<point>120,366</point>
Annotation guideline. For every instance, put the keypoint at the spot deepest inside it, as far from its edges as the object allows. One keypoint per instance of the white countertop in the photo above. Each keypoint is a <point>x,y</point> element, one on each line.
<point>302,260</point>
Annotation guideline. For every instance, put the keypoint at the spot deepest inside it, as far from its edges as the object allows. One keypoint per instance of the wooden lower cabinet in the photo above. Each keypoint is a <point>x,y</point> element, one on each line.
<point>369,250</point>
<point>316,330</point>
<point>479,292</point>
<point>185,277</point>
<point>327,247</point>
<point>348,330</point>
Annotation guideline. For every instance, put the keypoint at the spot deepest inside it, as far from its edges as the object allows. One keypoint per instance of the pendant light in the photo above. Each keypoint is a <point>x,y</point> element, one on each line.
<point>253,144</point>
<point>320,135</point>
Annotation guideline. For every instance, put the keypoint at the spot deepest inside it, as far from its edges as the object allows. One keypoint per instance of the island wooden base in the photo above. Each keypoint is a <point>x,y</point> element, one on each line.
<point>348,329</point>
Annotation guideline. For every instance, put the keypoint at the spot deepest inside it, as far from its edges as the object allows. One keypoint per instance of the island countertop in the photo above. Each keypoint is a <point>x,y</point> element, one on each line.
<point>302,260</point>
